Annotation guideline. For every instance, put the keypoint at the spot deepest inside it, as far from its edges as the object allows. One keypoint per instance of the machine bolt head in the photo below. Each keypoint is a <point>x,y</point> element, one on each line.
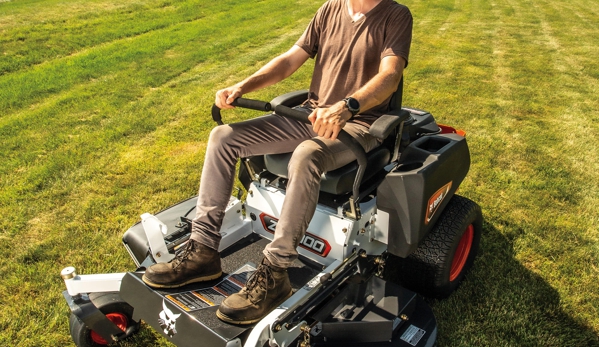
<point>68,272</point>
<point>344,230</point>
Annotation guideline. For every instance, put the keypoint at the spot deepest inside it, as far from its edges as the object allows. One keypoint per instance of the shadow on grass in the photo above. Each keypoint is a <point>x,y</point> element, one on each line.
<point>502,303</point>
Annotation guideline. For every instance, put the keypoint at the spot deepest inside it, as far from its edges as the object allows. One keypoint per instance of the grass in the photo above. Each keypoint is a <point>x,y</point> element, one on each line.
<point>104,115</point>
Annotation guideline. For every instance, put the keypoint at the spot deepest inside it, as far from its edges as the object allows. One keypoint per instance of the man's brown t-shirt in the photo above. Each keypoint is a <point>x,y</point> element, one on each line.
<point>348,52</point>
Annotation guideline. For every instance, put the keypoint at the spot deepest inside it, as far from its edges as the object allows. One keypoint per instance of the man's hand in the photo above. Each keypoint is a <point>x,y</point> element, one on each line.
<point>225,97</point>
<point>328,122</point>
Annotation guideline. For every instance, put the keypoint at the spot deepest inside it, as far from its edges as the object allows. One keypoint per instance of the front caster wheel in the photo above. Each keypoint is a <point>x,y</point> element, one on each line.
<point>115,309</point>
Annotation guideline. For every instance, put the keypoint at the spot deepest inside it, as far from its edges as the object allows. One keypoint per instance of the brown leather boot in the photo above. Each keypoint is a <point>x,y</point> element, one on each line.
<point>266,289</point>
<point>195,263</point>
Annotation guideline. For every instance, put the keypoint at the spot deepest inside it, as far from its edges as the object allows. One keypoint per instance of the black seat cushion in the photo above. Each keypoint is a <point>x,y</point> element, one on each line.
<point>338,181</point>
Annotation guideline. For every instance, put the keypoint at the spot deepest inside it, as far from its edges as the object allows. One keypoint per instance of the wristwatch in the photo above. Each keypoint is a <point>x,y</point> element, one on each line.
<point>352,105</point>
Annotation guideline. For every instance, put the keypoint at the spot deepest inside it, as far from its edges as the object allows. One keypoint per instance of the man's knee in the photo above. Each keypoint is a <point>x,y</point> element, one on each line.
<point>308,157</point>
<point>221,135</point>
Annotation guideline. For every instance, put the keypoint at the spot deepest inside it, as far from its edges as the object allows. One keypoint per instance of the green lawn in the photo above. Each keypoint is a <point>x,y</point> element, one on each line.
<point>104,115</point>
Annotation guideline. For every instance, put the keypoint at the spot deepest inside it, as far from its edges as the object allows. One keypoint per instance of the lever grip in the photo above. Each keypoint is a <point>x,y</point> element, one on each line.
<point>300,116</point>
<point>252,104</point>
<point>241,102</point>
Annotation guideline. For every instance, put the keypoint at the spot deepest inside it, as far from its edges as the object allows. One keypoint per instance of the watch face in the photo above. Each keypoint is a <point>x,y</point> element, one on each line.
<point>353,104</point>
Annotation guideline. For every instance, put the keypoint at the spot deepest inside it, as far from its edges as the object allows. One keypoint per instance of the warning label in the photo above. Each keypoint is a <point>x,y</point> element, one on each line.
<point>413,335</point>
<point>212,296</point>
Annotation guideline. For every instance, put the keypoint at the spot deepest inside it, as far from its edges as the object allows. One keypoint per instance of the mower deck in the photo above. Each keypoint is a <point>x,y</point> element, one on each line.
<point>389,316</point>
<point>198,321</point>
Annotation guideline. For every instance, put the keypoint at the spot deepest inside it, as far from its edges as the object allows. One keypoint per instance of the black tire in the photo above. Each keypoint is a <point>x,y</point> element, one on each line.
<point>117,310</point>
<point>443,258</point>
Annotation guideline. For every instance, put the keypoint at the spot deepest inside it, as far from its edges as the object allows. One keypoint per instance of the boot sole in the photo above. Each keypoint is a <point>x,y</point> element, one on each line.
<point>178,285</point>
<point>228,319</point>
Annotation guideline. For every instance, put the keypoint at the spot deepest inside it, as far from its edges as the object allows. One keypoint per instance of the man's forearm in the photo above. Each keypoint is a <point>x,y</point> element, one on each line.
<point>382,85</point>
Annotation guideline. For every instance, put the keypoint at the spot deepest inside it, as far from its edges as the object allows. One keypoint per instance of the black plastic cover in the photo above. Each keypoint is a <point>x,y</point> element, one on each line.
<point>415,192</point>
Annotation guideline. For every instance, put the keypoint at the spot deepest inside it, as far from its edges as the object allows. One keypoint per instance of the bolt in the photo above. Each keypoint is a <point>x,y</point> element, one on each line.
<point>362,231</point>
<point>344,230</point>
<point>404,317</point>
<point>158,255</point>
<point>68,272</point>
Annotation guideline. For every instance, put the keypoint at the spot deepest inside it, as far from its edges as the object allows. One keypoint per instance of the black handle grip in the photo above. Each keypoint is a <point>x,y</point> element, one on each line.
<point>252,104</point>
<point>300,116</point>
<point>241,102</point>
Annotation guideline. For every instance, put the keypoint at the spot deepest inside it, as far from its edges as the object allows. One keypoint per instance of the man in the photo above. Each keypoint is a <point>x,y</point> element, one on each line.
<point>361,48</point>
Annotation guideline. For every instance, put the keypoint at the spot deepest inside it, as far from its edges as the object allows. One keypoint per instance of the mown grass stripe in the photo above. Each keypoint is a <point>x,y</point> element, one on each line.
<point>19,89</point>
<point>52,34</point>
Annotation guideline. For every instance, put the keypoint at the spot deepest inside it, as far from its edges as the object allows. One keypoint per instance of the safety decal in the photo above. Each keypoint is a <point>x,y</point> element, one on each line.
<point>313,282</point>
<point>413,335</point>
<point>212,296</point>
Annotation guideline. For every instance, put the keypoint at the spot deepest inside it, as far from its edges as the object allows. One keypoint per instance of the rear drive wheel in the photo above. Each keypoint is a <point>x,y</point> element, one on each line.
<point>115,309</point>
<point>441,262</point>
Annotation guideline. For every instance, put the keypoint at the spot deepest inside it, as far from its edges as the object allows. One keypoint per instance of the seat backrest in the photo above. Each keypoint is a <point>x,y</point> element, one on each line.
<point>394,104</point>
<point>396,98</point>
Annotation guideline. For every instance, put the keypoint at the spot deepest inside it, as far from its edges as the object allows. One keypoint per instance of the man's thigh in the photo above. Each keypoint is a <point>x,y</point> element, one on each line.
<point>333,153</point>
<point>269,134</point>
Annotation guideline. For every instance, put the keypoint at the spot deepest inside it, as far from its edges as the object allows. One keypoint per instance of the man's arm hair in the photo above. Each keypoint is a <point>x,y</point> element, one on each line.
<point>382,85</point>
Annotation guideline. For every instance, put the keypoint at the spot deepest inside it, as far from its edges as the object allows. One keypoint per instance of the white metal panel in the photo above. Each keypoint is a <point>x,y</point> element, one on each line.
<point>234,226</point>
<point>155,231</point>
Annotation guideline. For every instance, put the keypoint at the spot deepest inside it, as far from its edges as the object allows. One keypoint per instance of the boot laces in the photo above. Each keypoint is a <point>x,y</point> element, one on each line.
<point>181,257</point>
<point>261,278</point>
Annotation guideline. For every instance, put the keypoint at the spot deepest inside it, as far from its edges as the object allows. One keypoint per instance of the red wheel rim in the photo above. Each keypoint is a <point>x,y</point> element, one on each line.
<point>119,319</point>
<point>461,253</point>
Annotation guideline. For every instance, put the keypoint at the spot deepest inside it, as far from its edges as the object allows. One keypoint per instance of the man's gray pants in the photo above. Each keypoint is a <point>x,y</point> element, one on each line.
<point>271,134</point>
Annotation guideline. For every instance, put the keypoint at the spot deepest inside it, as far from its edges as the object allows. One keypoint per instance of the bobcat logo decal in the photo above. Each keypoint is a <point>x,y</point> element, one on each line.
<point>435,202</point>
<point>167,320</point>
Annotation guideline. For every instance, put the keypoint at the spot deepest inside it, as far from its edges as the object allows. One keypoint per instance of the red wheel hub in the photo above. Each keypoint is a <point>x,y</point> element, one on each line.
<point>461,253</point>
<point>119,319</point>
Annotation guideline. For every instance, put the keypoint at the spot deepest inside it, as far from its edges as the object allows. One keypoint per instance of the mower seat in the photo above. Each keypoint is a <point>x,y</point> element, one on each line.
<point>338,181</point>
<point>341,180</point>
